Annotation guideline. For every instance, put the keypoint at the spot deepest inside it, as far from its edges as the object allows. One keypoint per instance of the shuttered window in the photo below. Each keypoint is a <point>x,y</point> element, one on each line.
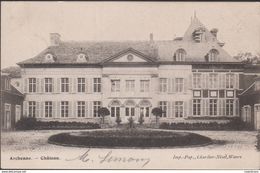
<point>81,84</point>
<point>97,84</point>
<point>163,85</point>
<point>163,106</point>
<point>64,84</point>
<point>64,109</point>
<point>32,85</point>
<point>48,85</point>
<point>32,108</point>
<point>48,107</point>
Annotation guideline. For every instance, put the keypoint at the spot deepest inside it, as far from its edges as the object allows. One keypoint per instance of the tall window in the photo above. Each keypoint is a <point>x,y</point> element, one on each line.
<point>32,85</point>
<point>81,85</point>
<point>180,55</point>
<point>32,109</point>
<point>197,107</point>
<point>229,107</point>
<point>7,84</point>
<point>115,111</point>
<point>17,112</point>
<point>230,80</point>
<point>64,109</point>
<point>48,109</point>
<point>144,86</point>
<point>196,80</point>
<point>81,109</point>
<point>213,107</point>
<point>48,85</point>
<point>163,106</point>
<point>213,80</point>
<point>144,111</point>
<point>179,109</point>
<point>129,111</point>
<point>97,85</point>
<point>163,85</point>
<point>96,106</point>
<point>64,84</point>
<point>179,84</point>
<point>130,85</point>
<point>115,85</point>
<point>213,55</point>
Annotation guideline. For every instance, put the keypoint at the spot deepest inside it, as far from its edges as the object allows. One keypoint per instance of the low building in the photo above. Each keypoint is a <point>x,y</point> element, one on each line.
<point>11,103</point>
<point>250,97</point>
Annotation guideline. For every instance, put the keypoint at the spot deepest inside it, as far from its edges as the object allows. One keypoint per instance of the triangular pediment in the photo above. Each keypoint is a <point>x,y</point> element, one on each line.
<point>129,56</point>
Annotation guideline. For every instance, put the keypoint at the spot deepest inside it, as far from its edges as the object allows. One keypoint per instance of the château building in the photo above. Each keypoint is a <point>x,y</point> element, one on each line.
<point>190,76</point>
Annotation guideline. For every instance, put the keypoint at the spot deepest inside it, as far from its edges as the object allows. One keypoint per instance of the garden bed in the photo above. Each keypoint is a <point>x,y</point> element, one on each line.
<point>136,138</point>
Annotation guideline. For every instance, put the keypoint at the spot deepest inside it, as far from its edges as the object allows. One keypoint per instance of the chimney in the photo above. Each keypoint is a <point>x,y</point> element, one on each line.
<point>214,32</point>
<point>151,37</point>
<point>55,39</point>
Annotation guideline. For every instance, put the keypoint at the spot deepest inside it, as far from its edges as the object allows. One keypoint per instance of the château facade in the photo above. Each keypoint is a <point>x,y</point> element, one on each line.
<point>190,76</point>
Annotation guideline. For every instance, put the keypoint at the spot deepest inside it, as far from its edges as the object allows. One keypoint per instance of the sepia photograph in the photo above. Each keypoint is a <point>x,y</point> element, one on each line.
<point>130,85</point>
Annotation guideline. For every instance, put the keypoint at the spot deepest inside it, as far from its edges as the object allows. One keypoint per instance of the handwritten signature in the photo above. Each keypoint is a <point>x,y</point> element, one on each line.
<point>110,158</point>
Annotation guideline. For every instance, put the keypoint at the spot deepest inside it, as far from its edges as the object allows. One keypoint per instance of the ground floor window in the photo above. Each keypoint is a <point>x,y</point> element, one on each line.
<point>17,112</point>
<point>115,111</point>
<point>163,106</point>
<point>32,109</point>
<point>197,107</point>
<point>81,109</point>
<point>96,106</point>
<point>129,111</point>
<point>64,109</point>
<point>7,117</point>
<point>144,111</point>
<point>213,107</point>
<point>179,109</point>
<point>48,109</point>
<point>229,107</point>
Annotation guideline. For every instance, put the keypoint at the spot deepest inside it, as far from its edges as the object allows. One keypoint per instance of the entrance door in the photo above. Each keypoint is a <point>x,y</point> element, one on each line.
<point>257,117</point>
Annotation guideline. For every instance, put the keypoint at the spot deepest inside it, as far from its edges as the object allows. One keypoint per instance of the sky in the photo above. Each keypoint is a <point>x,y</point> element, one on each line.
<point>25,26</point>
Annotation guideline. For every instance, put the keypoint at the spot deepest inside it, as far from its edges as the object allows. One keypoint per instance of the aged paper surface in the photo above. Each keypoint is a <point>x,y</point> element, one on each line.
<point>130,57</point>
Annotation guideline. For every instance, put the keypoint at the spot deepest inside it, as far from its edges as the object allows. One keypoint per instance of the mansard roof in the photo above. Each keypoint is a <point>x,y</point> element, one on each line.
<point>158,51</point>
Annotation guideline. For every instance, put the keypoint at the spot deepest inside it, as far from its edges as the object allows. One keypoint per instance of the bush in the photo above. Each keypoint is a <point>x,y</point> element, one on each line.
<point>118,120</point>
<point>234,124</point>
<point>26,123</point>
<point>32,124</point>
<point>141,120</point>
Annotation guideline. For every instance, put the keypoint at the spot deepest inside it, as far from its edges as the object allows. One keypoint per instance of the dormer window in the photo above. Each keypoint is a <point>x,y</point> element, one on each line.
<point>49,58</point>
<point>179,55</point>
<point>82,57</point>
<point>213,55</point>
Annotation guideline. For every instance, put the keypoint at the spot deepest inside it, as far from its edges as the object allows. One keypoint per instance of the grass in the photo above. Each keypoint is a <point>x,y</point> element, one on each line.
<point>129,138</point>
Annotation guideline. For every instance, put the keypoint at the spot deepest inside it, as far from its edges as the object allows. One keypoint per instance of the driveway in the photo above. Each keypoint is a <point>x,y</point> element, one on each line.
<point>231,149</point>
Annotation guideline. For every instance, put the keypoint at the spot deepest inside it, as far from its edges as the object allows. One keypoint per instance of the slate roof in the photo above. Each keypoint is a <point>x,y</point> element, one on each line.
<point>160,51</point>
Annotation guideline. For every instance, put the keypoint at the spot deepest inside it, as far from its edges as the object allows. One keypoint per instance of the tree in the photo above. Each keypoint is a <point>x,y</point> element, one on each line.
<point>248,57</point>
<point>157,112</point>
<point>103,111</point>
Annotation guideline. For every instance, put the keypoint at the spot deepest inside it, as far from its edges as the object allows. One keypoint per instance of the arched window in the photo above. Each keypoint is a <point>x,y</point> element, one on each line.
<point>82,57</point>
<point>49,57</point>
<point>213,55</point>
<point>129,108</point>
<point>180,55</point>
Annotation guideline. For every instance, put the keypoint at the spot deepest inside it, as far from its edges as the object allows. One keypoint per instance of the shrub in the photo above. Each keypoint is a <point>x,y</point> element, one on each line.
<point>141,120</point>
<point>131,122</point>
<point>26,123</point>
<point>118,120</point>
<point>103,111</point>
<point>234,124</point>
<point>157,112</point>
<point>32,124</point>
